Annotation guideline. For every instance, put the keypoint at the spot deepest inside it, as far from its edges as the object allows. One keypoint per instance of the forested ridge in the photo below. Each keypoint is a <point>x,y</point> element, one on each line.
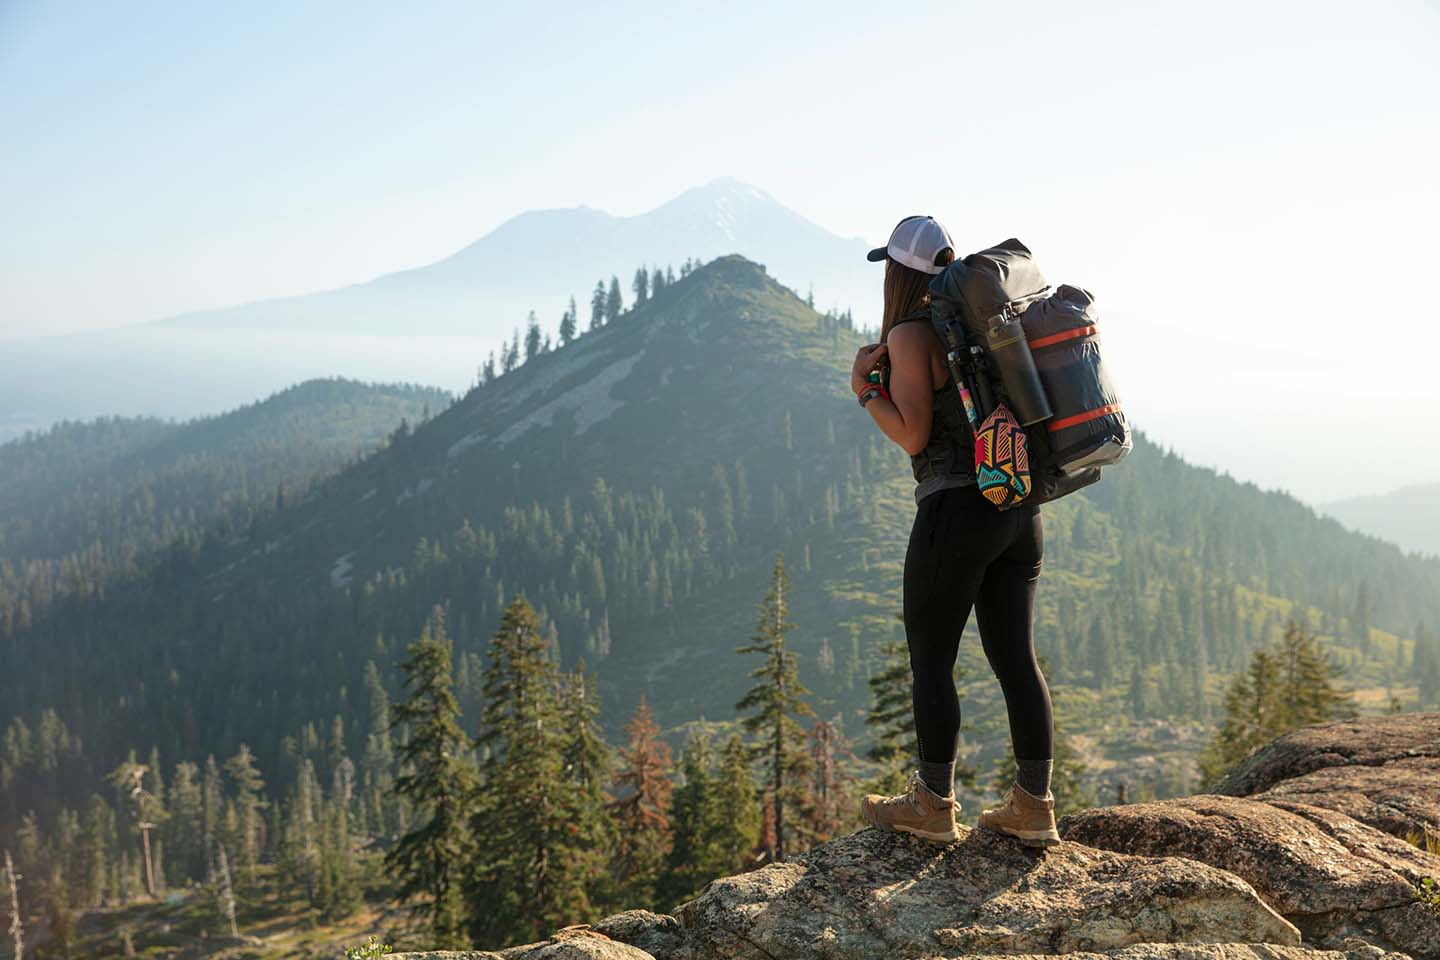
<point>635,484</point>
<point>87,504</point>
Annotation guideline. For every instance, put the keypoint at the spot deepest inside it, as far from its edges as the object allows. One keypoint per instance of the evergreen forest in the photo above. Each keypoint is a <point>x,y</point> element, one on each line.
<point>629,606</point>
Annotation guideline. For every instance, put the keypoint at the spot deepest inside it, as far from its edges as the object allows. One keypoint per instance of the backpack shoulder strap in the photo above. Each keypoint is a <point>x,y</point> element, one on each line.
<point>923,313</point>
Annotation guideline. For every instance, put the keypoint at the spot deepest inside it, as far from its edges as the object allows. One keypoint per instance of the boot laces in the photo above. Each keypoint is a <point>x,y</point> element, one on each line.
<point>910,796</point>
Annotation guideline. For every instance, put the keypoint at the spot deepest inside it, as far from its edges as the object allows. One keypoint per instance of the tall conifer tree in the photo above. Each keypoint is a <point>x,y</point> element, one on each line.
<point>597,305</point>
<point>436,778</point>
<point>249,787</point>
<point>737,808</point>
<point>778,700</point>
<point>614,302</point>
<point>569,323</point>
<point>589,765</point>
<point>526,876</point>
<point>641,285</point>
<point>1288,685</point>
<point>694,858</point>
<point>1309,692</point>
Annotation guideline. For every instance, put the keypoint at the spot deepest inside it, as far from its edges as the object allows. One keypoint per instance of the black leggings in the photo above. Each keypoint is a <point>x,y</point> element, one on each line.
<point>962,553</point>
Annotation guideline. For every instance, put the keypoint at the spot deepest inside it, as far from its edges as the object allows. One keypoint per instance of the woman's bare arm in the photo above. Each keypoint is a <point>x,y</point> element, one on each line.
<point>905,417</point>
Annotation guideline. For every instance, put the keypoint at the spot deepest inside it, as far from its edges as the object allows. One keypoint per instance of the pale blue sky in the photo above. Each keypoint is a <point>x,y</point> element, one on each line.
<point>167,157</point>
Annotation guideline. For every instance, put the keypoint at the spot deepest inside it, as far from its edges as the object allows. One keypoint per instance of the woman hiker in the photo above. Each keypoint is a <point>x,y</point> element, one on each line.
<point>963,553</point>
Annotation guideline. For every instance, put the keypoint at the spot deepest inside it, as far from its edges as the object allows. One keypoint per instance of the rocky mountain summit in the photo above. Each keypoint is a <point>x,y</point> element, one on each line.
<point>1302,857</point>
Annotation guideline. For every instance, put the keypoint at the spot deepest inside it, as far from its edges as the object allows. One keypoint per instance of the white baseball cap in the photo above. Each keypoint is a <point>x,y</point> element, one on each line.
<point>916,242</point>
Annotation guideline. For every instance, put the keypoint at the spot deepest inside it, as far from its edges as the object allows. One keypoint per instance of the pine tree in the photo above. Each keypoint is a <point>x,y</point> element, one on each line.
<point>249,794</point>
<point>185,831</point>
<point>1426,666</point>
<point>300,854</point>
<point>532,337</point>
<point>1308,689</point>
<point>778,699</point>
<point>526,876</point>
<point>1291,684</point>
<point>377,766</point>
<point>614,304</point>
<point>1141,700</point>
<point>737,809</point>
<point>1252,716</point>
<point>62,916</point>
<point>597,306</point>
<point>212,794</point>
<point>341,885</point>
<point>510,353</point>
<point>643,787</point>
<point>436,779</point>
<point>695,857</point>
<point>569,322</point>
<point>1360,616</point>
<point>641,286</point>
<point>589,766</point>
<point>96,845</point>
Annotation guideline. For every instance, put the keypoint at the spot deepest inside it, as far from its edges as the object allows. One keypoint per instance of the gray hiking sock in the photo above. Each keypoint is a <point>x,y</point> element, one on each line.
<point>1034,776</point>
<point>939,777</point>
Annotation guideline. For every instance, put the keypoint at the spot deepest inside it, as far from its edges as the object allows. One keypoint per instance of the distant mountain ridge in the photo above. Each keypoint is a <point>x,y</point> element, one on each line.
<point>538,259</point>
<point>433,324</point>
<point>1409,516</point>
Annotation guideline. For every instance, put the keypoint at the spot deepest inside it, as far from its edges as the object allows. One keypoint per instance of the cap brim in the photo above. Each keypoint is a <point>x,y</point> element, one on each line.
<point>877,254</point>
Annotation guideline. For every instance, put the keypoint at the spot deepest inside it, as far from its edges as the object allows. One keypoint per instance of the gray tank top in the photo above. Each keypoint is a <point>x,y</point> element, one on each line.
<point>948,459</point>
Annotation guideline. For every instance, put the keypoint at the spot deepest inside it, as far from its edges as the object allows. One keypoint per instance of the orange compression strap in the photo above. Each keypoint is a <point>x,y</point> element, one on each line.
<point>1062,336</point>
<point>1085,417</point>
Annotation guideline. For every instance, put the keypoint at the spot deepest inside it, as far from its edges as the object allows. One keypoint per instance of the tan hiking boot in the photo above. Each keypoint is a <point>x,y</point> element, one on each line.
<point>919,810</point>
<point>1025,816</point>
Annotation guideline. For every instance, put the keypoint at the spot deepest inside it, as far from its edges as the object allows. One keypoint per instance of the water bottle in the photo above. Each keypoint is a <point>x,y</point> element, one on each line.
<point>1010,353</point>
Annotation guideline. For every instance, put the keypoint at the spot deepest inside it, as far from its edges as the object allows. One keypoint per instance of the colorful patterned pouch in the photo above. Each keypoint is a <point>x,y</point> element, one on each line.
<point>1002,459</point>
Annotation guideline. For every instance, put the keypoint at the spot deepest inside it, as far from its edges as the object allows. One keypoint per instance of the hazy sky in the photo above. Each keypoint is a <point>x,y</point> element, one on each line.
<point>166,157</point>
<point>1255,179</point>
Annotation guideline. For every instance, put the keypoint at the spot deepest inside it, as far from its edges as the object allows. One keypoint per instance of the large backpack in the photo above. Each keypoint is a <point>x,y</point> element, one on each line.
<point>1087,429</point>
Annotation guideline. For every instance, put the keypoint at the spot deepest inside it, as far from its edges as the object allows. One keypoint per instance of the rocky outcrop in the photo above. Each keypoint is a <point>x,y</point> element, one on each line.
<point>1384,771</point>
<point>1330,875</point>
<point>572,943</point>
<point>877,894</point>
<point>1401,797</point>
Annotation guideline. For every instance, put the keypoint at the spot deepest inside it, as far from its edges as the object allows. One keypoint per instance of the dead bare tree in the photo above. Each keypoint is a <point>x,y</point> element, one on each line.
<point>131,777</point>
<point>17,925</point>
<point>227,894</point>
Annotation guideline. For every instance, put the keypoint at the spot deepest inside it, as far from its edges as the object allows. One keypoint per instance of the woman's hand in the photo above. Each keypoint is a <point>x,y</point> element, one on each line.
<point>867,358</point>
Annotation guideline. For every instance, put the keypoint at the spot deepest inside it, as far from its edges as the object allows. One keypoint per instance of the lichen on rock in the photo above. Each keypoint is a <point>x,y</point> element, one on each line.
<point>878,894</point>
